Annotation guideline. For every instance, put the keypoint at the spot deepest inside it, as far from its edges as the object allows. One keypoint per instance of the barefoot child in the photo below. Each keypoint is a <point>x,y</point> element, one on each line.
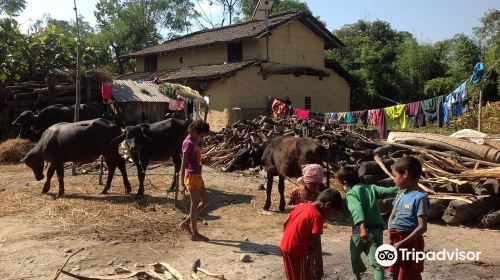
<point>191,179</point>
<point>368,225</point>
<point>302,230</point>
<point>408,220</point>
<point>312,185</point>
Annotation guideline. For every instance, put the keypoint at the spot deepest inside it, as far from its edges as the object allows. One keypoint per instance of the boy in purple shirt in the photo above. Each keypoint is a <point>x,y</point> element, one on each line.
<point>191,177</point>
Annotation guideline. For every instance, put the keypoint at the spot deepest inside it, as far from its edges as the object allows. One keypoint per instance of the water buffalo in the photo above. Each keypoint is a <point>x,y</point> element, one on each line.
<point>80,142</point>
<point>284,156</point>
<point>154,142</point>
<point>33,125</point>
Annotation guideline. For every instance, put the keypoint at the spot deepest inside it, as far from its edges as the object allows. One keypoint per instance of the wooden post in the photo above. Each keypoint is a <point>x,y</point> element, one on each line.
<point>480,114</point>
<point>77,86</point>
<point>101,171</point>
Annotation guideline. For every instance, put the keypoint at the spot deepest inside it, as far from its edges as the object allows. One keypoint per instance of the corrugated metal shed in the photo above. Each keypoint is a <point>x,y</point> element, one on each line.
<point>125,91</point>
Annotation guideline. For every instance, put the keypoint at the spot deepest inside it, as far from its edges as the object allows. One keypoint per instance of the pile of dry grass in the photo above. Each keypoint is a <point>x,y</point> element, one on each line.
<point>13,150</point>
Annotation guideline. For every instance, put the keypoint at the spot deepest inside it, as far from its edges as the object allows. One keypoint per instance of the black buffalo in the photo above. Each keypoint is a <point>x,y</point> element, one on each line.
<point>33,125</point>
<point>154,142</point>
<point>284,156</point>
<point>80,142</point>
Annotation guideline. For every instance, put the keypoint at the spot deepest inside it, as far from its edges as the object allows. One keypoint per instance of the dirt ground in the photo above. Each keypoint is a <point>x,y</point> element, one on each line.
<point>37,233</point>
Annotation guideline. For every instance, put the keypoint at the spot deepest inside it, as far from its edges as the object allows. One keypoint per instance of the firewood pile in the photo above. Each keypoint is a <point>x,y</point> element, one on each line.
<point>254,134</point>
<point>57,88</point>
<point>461,177</point>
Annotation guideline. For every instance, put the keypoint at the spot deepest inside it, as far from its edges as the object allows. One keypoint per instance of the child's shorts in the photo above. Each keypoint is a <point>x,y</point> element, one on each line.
<point>194,182</point>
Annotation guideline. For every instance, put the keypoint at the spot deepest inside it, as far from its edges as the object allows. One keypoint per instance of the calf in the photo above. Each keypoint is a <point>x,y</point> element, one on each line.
<point>158,141</point>
<point>80,142</point>
<point>284,156</point>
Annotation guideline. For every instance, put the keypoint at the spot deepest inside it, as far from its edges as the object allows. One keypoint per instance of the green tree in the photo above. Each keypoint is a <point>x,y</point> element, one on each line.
<point>131,25</point>
<point>461,56</point>
<point>12,7</point>
<point>371,48</point>
<point>489,39</point>
<point>248,6</point>
<point>417,64</point>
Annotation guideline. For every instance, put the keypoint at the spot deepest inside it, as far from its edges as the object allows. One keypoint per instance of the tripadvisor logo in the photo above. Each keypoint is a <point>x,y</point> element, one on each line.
<point>386,255</point>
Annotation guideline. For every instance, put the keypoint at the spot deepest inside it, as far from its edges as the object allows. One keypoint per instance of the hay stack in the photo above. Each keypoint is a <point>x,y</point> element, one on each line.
<point>13,150</point>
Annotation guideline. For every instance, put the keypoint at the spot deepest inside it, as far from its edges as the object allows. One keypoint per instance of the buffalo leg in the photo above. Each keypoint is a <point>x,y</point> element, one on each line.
<point>121,163</point>
<point>177,167</point>
<point>141,172</point>
<point>281,189</point>
<point>60,177</point>
<point>50,173</point>
<point>269,188</point>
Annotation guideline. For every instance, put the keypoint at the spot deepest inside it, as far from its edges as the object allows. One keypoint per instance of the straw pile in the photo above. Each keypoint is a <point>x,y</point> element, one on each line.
<point>13,150</point>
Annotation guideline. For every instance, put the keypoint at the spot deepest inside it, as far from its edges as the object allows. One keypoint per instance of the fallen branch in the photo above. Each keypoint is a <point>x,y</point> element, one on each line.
<point>58,272</point>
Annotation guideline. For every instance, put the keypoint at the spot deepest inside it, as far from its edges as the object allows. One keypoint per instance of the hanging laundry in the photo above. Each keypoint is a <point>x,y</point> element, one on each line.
<point>456,103</point>
<point>414,110</point>
<point>433,109</point>
<point>302,114</point>
<point>342,117</point>
<point>180,105</point>
<point>377,118</point>
<point>478,73</point>
<point>279,109</point>
<point>362,115</point>
<point>350,119</point>
<point>395,116</point>
<point>106,92</point>
<point>460,100</point>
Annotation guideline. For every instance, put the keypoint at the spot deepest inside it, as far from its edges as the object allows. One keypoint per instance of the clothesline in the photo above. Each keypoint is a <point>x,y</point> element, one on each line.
<point>439,108</point>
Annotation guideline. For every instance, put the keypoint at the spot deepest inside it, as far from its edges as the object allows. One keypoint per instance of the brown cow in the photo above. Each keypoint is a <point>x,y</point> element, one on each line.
<point>284,156</point>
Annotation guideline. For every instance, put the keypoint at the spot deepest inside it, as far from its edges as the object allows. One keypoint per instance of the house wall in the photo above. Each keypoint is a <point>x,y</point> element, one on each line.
<point>248,90</point>
<point>139,64</point>
<point>294,43</point>
<point>153,111</point>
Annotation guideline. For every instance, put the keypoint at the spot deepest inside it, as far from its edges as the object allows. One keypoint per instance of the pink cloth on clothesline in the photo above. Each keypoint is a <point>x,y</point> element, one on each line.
<point>302,114</point>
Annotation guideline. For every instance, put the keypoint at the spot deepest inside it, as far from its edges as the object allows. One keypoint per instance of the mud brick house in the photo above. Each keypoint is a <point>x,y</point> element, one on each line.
<point>239,66</point>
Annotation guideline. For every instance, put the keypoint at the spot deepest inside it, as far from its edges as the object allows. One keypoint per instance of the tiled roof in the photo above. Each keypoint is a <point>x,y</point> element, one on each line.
<point>237,32</point>
<point>205,72</point>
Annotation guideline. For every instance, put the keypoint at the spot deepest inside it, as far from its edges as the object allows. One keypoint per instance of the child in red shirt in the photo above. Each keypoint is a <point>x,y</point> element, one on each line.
<point>301,236</point>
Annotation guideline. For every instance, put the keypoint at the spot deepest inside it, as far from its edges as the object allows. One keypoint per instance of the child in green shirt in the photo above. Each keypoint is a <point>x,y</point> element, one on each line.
<point>368,225</point>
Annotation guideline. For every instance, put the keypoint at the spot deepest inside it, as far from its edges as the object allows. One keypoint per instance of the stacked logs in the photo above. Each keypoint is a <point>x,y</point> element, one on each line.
<point>56,88</point>
<point>254,134</point>
<point>461,189</point>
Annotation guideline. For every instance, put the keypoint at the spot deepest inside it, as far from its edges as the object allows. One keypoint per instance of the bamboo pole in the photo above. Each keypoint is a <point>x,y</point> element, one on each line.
<point>77,103</point>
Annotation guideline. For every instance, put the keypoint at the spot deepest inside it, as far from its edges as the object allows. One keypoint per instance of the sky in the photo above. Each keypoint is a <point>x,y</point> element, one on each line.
<point>428,20</point>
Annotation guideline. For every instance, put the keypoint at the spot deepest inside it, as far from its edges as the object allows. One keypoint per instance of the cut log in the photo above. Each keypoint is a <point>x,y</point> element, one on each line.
<point>373,179</point>
<point>437,208</point>
<point>492,186</point>
<point>385,205</point>
<point>372,167</point>
<point>493,173</point>
<point>460,146</point>
<point>491,219</point>
<point>460,211</point>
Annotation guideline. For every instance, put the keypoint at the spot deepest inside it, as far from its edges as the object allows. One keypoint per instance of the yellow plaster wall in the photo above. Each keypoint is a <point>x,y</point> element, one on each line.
<point>247,89</point>
<point>294,43</point>
<point>139,64</point>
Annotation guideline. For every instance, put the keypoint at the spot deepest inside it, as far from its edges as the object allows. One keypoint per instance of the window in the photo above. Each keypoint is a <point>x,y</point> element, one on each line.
<point>150,63</point>
<point>307,103</point>
<point>181,59</point>
<point>235,51</point>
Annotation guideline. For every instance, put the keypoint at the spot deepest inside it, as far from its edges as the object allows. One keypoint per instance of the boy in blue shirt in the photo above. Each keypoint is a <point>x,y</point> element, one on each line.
<point>408,220</point>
